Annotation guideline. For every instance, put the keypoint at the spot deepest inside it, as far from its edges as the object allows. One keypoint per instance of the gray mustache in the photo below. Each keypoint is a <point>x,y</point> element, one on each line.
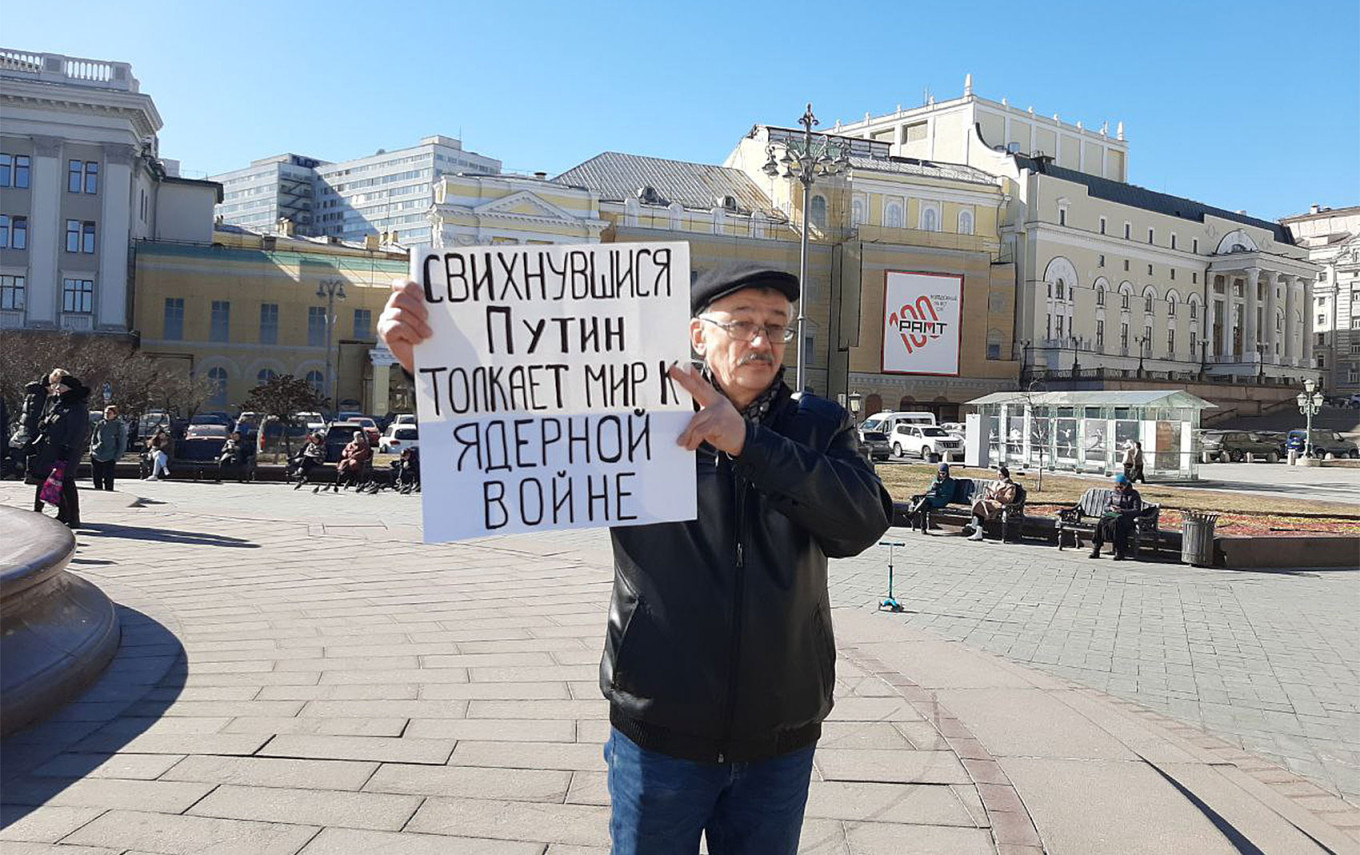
<point>755,357</point>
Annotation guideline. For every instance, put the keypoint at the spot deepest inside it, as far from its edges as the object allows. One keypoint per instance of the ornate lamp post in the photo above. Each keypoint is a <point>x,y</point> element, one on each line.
<point>1142,346</point>
<point>1310,402</point>
<point>331,290</point>
<point>855,400</point>
<point>806,159</point>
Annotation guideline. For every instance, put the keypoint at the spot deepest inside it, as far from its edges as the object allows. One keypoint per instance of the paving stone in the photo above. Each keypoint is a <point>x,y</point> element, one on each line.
<point>383,750</point>
<point>911,804</point>
<point>505,691</point>
<point>274,772</point>
<point>385,709</point>
<point>191,835</point>
<point>531,785</point>
<point>539,755</point>
<point>44,824</point>
<point>106,793</point>
<point>348,841</point>
<point>909,767</point>
<point>859,734</point>
<point>22,848</point>
<point>144,767</point>
<point>317,725</point>
<point>326,808</point>
<point>539,709</point>
<point>175,743</point>
<point>490,729</point>
<point>881,839</point>
<point>327,692</point>
<point>584,825</point>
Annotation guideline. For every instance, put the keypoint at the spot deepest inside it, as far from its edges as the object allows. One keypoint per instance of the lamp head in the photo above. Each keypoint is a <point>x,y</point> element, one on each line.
<point>1302,398</point>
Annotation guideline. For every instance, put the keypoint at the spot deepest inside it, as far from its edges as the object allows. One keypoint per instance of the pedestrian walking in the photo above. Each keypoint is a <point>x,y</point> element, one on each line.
<point>1118,520</point>
<point>107,444</point>
<point>719,658</point>
<point>59,441</point>
<point>1137,463</point>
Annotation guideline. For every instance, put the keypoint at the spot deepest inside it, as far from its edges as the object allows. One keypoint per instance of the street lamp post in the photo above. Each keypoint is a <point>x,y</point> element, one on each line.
<point>331,290</point>
<point>1142,346</point>
<point>1024,359</point>
<point>1310,402</point>
<point>1260,363</point>
<point>806,159</point>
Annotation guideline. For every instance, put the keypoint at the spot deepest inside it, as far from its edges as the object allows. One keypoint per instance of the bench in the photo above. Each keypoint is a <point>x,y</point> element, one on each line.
<point>969,490</point>
<point>1083,517</point>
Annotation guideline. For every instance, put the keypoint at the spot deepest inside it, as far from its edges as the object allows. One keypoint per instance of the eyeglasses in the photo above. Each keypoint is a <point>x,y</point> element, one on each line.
<point>747,331</point>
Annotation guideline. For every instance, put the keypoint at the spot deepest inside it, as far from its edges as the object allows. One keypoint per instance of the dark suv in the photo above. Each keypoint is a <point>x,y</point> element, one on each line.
<point>1235,445</point>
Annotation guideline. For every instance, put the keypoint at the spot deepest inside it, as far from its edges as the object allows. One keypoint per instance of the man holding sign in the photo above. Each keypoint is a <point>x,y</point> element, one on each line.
<point>719,659</point>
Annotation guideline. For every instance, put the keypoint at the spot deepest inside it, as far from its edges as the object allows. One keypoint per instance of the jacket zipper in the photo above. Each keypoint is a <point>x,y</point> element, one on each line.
<point>737,597</point>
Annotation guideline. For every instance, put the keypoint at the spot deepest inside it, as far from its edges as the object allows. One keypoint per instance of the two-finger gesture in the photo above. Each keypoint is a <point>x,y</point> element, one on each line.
<point>718,423</point>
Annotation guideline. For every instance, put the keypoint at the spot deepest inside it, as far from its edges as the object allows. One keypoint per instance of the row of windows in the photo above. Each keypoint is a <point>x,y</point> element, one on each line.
<point>13,232</point>
<point>893,217</point>
<point>219,329</point>
<point>1059,290</point>
<point>1145,342</point>
<point>1194,274</point>
<point>77,295</point>
<point>14,170</point>
<point>1128,232</point>
<point>217,376</point>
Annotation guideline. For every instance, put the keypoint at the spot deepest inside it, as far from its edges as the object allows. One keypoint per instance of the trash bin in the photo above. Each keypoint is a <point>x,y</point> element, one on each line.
<point>1197,539</point>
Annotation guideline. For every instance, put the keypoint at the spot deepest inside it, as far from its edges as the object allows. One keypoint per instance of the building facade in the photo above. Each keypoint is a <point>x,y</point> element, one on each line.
<point>1332,239</point>
<point>80,180</point>
<point>1116,282</point>
<point>386,194</point>
<point>250,306</point>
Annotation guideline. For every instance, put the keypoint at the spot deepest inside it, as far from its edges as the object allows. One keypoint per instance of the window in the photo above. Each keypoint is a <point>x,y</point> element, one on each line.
<point>856,211</point>
<point>14,170</point>
<point>87,238</point>
<point>930,220</point>
<point>269,323</point>
<point>994,340</point>
<point>75,176</point>
<point>1321,362</point>
<point>363,324</point>
<point>1126,264</point>
<point>316,326</point>
<point>916,132</point>
<point>77,295</point>
<point>221,321</point>
<point>73,235</point>
<point>1123,301</point>
<point>1062,216</point>
<point>1173,241</point>
<point>1059,327</point>
<point>12,293</point>
<point>1102,225</point>
<point>1194,276</point>
<point>1128,231</point>
<point>1171,342</point>
<point>818,212</point>
<point>1062,289</point>
<point>80,236</point>
<point>174,319</point>
<point>1355,323</point>
<point>1147,304</point>
<point>91,177</point>
<point>1170,308</point>
<point>965,222</point>
<point>1102,262</point>
<point>13,232</point>
<point>892,215</point>
<point>1322,320</point>
<point>217,381</point>
<point>1124,336</point>
<point>1149,235</point>
<point>1193,344</point>
<point>1149,269</point>
<point>317,381</point>
<point>1100,333</point>
<point>1100,296</point>
<point>1322,301</point>
<point>1194,246</point>
<point>1173,273</point>
<point>1194,311</point>
<point>265,375</point>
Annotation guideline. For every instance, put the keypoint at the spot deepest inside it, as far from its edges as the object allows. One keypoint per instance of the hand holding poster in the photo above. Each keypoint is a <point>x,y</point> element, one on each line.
<point>543,395</point>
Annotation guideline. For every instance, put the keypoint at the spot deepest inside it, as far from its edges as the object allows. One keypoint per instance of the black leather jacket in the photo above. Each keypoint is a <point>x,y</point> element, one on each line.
<point>720,646</point>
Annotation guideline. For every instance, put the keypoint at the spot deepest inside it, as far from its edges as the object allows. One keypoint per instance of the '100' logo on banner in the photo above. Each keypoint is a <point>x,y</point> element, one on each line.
<point>918,323</point>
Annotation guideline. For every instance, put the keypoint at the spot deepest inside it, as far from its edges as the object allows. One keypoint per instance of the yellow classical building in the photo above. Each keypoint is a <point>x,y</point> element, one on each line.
<point>250,306</point>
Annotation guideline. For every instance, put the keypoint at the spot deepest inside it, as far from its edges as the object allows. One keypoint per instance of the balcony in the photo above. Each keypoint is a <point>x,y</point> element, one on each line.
<point>57,68</point>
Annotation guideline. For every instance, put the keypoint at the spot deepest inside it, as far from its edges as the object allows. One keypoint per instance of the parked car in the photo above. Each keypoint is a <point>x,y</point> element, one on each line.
<point>270,437</point>
<point>1235,445</point>
<point>404,419</point>
<point>200,447</point>
<point>875,444</point>
<point>1324,442</point>
<point>399,437</point>
<point>887,421</point>
<point>338,435</point>
<point>313,421</point>
<point>925,441</point>
<point>954,429</point>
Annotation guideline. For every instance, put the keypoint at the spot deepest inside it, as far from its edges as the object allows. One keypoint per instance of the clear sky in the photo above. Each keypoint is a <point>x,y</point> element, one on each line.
<point>1248,105</point>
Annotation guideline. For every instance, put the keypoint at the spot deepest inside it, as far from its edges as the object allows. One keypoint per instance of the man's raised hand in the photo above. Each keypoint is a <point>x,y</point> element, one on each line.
<point>404,321</point>
<point>718,423</point>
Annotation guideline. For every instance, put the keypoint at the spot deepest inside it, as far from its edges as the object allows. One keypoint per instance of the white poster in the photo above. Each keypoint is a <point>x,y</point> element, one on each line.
<point>922,323</point>
<point>542,394</point>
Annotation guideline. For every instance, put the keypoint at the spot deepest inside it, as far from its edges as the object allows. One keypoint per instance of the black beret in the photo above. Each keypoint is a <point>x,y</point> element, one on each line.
<point>729,278</point>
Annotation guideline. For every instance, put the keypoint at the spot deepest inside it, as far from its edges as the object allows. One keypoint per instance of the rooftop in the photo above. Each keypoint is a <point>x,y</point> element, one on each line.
<point>1149,200</point>
<point>619,176</point>
<point>1169,398</point>
<point>69,70</point>
<point>926,168</point>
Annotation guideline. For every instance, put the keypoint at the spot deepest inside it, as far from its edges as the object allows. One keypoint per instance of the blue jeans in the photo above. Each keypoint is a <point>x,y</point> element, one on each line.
<point>661,804</point>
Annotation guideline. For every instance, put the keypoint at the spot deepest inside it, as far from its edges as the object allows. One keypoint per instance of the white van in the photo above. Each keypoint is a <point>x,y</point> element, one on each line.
<point>885,422</point>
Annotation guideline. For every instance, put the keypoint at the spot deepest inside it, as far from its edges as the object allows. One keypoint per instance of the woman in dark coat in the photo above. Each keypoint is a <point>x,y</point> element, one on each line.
<point>60,436</point>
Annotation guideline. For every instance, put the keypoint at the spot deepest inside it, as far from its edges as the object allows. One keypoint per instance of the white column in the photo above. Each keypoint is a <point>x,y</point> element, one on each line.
<point>114,221</point>
<point>1272,282</point>
<point>382,360</point>
<point>1289,307</point>
<point>1306,294</point>
<point>45,240</point>
<point>1251,337</point>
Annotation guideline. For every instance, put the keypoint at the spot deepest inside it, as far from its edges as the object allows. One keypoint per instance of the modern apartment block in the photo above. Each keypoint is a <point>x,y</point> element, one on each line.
<point>81,179</point>
<point>386,194</point>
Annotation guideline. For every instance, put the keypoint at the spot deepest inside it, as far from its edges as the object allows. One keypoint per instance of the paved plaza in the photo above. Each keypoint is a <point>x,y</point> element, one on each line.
<point>299,673</point>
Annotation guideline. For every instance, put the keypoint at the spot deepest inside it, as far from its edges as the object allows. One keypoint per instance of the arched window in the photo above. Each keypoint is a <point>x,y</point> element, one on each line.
<point>217,379</point>
<point>965,222</point>
<point>818,212</point>
<point>265,375</point>
<point>856,211</point>
<point>1171,305</point>
<point>317,381</point>
<point>930,220</point>
<point>892,215</point>
<point>1062,290</point>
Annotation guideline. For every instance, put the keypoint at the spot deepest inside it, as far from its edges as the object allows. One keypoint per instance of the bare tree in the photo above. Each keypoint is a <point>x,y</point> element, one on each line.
<point>1040,428</point>
<point>279,398</point>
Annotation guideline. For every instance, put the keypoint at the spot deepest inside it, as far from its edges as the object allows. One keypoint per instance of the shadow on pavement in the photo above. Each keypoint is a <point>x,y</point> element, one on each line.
<point>162,535</point>
<point>45,758</point>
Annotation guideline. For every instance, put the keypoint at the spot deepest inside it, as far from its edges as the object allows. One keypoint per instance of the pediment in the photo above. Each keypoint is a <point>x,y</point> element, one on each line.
<point>524,204</point>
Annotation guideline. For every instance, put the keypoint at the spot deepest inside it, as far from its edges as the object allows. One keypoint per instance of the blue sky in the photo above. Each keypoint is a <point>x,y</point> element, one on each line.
<point>1247,105</point>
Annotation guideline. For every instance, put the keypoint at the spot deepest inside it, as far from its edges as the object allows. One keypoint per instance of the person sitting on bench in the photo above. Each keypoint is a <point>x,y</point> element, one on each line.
<point>1120,516</point>
<point>1000,493</point>
<point>940,493</point>
<point>232,458</point>
<point>313,455</point>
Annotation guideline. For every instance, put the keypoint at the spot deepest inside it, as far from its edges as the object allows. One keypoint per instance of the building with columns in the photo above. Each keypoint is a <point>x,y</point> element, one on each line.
<point>81,179</point>
<point>1118,285</point>
<point>1332,239</point>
